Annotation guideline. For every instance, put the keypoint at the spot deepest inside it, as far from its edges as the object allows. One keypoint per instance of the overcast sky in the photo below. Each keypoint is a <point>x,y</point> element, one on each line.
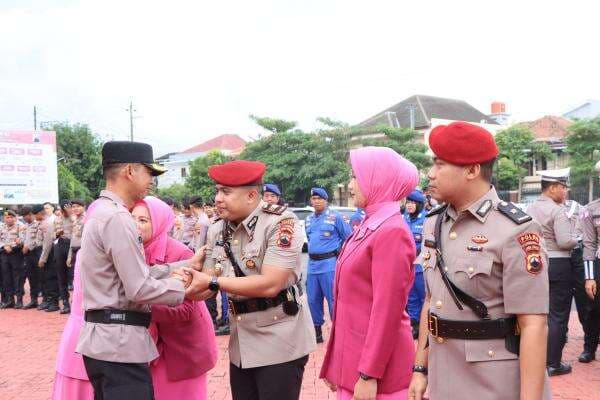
<point>197,69</point>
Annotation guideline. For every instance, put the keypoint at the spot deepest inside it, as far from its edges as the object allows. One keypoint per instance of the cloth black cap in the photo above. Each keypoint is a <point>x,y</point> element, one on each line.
<point>121,152</point>
<point>78,202</point>
<point>37,208</point>
<point>10,212</point>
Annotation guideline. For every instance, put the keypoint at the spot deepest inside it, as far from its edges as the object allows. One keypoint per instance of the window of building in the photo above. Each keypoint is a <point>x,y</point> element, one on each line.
<point>184,172</point>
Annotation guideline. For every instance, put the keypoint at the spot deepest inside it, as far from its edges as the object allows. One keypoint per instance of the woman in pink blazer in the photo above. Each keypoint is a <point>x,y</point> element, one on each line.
<point>371,350</point>
<point>184,334</point>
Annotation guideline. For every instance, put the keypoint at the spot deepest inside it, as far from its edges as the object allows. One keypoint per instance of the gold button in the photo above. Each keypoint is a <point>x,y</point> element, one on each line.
<point>239,318</point>
<point>275,318</point>
<point>236,241</point>
<point>453,235</point>
<point>438,304</point>
<point>446,269</point>
<point>471,270</point>
<point>426,256</point>
<point>440,340</point>
<point>491,353</point>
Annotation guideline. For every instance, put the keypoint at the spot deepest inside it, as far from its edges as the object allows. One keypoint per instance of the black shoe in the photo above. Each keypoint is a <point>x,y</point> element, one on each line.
<point>587,356</point>
<point>9,304</point>
<point>44,305</point>
<point>66,310</point>
<point>52,307</point>
<point>562,369</point>
<point>319,334</point>
<point>222,331</point>
<point>30,305</point>
<point>19,303</point>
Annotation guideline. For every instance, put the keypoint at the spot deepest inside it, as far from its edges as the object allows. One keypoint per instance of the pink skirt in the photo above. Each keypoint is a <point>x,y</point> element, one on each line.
<point>67,388</point>
<point>164,389</point>
<point>343,394</point>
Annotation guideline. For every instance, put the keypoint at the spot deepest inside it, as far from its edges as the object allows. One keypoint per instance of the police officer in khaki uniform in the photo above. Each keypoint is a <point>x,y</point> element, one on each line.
<point>31,254</point>
<point>63,226</point>
<point>483,325</point>
<point>11,259</point>
<point>253,254</point>
<point>549,211</point>
<point>591,259</point>
<point>78,216</point>
<point>117,284</point>
<point>46,235</point>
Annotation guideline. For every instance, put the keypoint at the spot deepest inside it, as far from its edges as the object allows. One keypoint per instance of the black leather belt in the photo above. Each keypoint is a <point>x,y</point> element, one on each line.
<point>482,329</point>
<point>324,256</point>
<point>123,317</point>
<point>261,303</point>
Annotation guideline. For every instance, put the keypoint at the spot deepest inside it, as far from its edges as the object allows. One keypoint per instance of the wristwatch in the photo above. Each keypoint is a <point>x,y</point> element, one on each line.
<point>420,368</point>
<point>365,377</point>
<point>214,284</point>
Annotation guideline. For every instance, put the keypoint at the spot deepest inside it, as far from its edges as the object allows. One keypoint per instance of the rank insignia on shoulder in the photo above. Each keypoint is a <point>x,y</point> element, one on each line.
<point>274,209</point>
<point>485,208</point>
<point>436,210</point>
<point>514,213</point>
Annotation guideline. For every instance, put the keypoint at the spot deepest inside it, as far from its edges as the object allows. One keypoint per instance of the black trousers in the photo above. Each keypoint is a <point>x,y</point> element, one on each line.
<point>119,381</point>
<point>560,273</point>
<point>61,252</point>
<point>588,310</point>
<point>271,382</point>
<point>211,304</point>
<point>12,269</point>
<point>33,272</point>
<point>49,281</point>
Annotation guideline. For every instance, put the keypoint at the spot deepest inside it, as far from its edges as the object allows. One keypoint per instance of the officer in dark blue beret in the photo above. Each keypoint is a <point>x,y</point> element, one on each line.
<point>272,194</point>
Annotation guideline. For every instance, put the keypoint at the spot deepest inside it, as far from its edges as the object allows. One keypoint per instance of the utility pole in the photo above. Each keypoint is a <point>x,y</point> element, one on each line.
<point>412,108</point>
<point>34,118</point>
<point>131,111</point>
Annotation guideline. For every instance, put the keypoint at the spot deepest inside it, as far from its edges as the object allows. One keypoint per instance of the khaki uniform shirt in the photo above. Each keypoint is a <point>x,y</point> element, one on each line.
<point>65,227</point>
<point>77,231</point>
<point>177,229</point>
<point>271,336</point>
<point>188,229</point>
<point>591,238</point>
<point>31,231</point>
<point>10,235</point>
<point>46,236</point>
<point>488,256</point>
<point>556,227</point>
<point>114,275</point>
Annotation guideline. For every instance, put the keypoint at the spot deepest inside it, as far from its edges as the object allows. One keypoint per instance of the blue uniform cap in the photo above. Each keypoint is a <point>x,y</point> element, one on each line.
<point>417,196</point>
<point>271,187</point>
<point>319,192</point>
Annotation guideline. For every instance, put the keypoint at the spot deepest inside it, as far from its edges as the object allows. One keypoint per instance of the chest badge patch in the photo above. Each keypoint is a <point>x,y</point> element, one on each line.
<point>530,243</point>
<point>479,239</point>
<point>250,264</point>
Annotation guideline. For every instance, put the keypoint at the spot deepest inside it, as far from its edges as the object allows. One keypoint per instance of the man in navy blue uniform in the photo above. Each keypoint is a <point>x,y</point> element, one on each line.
<point>357,218</point>
<point>272,194</point>
<point>326,231</point>
<point>414,215</point>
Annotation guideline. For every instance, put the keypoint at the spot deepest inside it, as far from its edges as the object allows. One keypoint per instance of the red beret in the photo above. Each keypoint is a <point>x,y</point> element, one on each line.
<point>462,143</point>
<point>238,173</point>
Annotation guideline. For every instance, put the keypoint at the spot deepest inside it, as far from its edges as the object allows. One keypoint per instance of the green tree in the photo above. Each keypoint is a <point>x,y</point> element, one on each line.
<point>274,125</point>
<point>401,140</point>
<point>582,140</point>
<point>79,149</point>
<point>517,147</point>
<point>198,182</point>
<point>176,191</point>
<point>69,186</point>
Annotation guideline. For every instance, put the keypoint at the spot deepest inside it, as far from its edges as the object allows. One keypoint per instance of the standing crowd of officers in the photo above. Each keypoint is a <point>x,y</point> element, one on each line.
<point>39,244</point>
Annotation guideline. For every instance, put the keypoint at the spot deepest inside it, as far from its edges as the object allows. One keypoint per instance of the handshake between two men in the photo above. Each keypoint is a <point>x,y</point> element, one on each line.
<point>194,280</point>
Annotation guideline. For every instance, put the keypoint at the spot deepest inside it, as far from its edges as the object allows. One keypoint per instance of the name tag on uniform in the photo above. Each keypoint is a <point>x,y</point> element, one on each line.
<point>429,243</point>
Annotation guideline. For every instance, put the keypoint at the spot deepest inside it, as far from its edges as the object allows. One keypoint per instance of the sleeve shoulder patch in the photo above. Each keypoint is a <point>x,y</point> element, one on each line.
<point>514,213</point>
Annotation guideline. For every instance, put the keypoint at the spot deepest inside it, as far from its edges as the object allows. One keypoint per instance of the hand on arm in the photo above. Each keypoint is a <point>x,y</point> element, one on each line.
<point>534,334</point>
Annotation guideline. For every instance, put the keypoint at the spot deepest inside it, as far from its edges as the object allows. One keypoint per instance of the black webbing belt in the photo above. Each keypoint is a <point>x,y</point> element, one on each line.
<point>261,303</point>
<point>123,317</point>
<point>323,256</point>
<point>483,329</point>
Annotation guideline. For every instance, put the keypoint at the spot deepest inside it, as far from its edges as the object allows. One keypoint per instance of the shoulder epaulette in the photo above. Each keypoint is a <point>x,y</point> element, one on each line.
<point>514,213</point>
<point>436,210</point>
<point>274,209</point>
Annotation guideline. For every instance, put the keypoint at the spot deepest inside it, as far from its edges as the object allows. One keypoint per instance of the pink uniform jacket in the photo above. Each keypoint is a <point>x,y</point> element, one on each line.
<point>371,331</point>
<point>186,338</point>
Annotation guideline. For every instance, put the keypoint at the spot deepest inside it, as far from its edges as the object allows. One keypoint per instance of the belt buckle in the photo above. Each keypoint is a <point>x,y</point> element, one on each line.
<point>231,307</point>
<point>433,325</point>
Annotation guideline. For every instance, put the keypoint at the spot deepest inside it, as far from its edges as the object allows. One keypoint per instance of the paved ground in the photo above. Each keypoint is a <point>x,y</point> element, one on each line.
<point>29,339</point>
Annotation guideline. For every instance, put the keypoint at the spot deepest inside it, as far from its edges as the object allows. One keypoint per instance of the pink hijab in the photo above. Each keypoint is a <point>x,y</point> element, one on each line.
<point>384,177</point>
<point>162,221</point>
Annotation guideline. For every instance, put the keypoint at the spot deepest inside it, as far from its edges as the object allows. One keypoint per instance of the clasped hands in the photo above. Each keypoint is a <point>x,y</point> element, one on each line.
<point>194,280</point>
